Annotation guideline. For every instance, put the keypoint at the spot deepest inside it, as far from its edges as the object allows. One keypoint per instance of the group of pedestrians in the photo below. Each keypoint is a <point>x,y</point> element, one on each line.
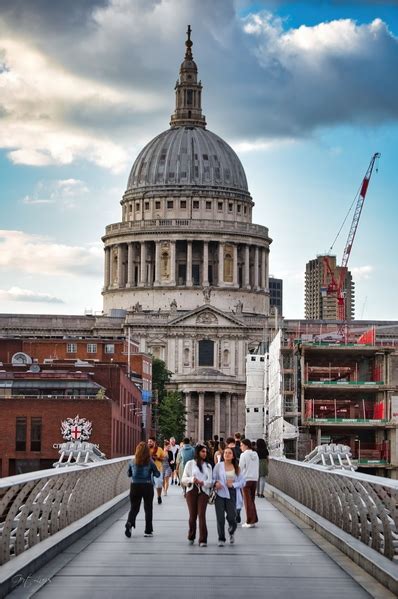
<point>234,473</point>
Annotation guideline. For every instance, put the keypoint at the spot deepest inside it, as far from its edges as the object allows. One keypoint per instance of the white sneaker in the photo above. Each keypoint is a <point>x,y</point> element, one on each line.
<point>148,534</point>
<point>202,544</point>
<point>221,543</point>
<point>246,525</point>
<point>231,539</point>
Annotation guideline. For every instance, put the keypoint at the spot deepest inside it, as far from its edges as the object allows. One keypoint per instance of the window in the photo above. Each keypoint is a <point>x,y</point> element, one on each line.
<point>183,204</point>
<point>71,348</point>
<point>256,409</point>
<point>196,204</point>
<point>35,434</point>
<point>230,207</point>
<point>91,348</point>
<point>219,205</point>
<point>137,206</point>
<point>208,205</point>
<point>109,348</point>
<point>245,210</point>
<point>253,359</point>
<point>157,205</point>
<point>146,205</point>
<point>206,352</point>
<point>20,434</point>
<point>170,204</point>
<point>238,208</point>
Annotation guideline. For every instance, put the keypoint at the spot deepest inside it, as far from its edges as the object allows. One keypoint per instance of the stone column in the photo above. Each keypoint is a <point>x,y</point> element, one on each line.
<point>201,416</point>
<point>143,265</point>
<point>263,269</point>
<point>267,269</point>
<point>107,270</point>
<point>130,265</point>
<point>221,264</point>
<point>189,264</point>
<point>157,264</point>
<point>247,267</point>
<point>217,412</point>
<point>235,268</point>
<point>172,263</point>
<point>120,274</point>
<point>205,274</point>
<point>229,415</point>
<point>256,267</point>
<point>188,412</point>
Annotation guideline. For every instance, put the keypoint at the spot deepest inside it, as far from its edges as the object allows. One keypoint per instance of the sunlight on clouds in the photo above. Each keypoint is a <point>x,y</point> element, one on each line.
<point>65,192</point>
<point>36,96</point>
<point>16,294</point>
<point>24,252</point>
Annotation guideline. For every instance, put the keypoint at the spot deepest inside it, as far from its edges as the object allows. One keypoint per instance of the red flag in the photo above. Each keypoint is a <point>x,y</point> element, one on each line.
<point>368,337</point>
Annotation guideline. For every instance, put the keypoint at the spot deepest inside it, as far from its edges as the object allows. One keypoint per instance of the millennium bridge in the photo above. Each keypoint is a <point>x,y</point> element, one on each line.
<point>321,533</point>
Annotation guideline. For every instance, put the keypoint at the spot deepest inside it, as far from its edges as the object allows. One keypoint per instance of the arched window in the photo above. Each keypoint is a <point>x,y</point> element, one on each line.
<point>206,352</point>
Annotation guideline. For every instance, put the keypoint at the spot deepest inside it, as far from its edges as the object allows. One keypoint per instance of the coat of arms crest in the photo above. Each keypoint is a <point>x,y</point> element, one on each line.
<point>76,429</point>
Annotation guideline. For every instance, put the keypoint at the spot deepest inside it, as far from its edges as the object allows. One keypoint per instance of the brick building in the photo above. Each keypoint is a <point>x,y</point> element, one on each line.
<point>43,382</point>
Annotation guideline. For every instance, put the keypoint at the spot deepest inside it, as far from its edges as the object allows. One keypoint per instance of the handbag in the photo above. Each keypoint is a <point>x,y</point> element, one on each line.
<point>212,497</point>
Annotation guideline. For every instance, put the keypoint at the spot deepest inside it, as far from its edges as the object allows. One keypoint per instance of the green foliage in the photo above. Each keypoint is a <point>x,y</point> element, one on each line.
<point>172,416</point>
<point>160,378</point>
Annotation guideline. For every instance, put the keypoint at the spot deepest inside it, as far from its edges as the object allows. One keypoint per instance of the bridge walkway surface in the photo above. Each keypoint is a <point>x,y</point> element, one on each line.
<point>280,558</point>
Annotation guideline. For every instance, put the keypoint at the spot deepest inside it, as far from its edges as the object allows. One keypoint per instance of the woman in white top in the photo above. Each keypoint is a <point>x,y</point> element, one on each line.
<point>228,483</point>
<point>197,477</point>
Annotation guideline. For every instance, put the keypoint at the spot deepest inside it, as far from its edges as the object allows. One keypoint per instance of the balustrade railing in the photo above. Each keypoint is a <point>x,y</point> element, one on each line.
<point>362,505</point>
<point>191,224</point>
<point>36,505</point>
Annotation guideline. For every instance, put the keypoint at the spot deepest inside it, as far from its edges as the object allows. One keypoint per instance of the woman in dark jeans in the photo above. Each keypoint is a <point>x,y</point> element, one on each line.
<point>141,469</point>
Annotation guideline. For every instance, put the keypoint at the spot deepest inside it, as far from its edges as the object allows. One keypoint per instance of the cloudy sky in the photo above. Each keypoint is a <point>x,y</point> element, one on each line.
<point>305,92</point>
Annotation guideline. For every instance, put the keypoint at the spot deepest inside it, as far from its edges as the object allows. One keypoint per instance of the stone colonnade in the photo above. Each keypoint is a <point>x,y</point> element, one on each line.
<point>186,263</point>
<point>213,413</point>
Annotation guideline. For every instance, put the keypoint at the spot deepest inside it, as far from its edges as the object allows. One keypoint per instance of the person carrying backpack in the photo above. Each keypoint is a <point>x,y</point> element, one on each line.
<point>185,454</point>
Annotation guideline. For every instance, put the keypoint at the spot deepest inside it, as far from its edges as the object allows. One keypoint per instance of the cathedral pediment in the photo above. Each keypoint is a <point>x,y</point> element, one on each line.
<point>206,316</point>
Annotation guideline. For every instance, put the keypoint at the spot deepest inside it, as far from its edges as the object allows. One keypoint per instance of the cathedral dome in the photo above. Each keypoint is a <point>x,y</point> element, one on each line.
<point>188,155</point>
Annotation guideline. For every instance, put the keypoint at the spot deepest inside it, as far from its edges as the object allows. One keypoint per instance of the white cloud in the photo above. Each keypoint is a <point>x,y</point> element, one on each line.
<point>362,272</point>
<point>35,254</point>
<point>65,192</point>
<point>37,97</point>
<point>16,294</point>
<point>86,84</point>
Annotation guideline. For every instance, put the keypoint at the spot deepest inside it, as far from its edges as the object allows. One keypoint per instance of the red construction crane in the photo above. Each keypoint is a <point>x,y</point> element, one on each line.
<point>338,287</point>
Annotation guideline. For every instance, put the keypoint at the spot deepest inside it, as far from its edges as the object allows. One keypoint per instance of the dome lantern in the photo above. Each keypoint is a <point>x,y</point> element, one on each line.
<point>188,111</point>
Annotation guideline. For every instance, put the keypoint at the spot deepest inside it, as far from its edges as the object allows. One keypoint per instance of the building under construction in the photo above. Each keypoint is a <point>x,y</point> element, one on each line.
<point>324,385</point>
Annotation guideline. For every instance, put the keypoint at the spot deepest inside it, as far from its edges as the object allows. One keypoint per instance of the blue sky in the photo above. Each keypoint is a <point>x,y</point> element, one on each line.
<point>305,92</point>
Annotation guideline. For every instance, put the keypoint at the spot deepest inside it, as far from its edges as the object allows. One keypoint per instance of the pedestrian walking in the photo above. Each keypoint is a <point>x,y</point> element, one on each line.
<point>249,467</point>
<point>218,454</point>
<point>262,452</point>
<point>228,483</point>
<point>185,453</point>
<point>141,470</point>
<point>167,472</point>
<point>157,455</point>
<point>174,448</point>
<point>197,477</point>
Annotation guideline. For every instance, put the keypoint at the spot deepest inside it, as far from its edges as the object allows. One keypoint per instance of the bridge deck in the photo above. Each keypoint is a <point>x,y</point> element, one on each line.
<point>274,560</point>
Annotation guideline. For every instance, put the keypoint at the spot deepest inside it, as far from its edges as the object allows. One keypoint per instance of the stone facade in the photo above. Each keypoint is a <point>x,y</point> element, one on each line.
<point>187,264</point>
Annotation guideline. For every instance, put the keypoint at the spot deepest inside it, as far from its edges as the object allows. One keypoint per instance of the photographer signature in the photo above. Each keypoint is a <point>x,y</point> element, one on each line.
<point>28,580</point>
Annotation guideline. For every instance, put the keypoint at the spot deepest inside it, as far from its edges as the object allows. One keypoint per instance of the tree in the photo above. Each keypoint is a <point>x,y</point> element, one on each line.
<point>160,377</point>
<point>172,416</point>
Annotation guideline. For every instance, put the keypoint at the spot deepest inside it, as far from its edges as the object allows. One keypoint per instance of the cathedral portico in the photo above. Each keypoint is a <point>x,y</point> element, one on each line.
<point>187,264</point>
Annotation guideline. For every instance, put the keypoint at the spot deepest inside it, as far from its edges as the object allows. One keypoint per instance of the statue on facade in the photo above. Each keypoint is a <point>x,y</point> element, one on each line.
<point>206,294</point>
<point>173,307</point>
<point>239,307</point>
